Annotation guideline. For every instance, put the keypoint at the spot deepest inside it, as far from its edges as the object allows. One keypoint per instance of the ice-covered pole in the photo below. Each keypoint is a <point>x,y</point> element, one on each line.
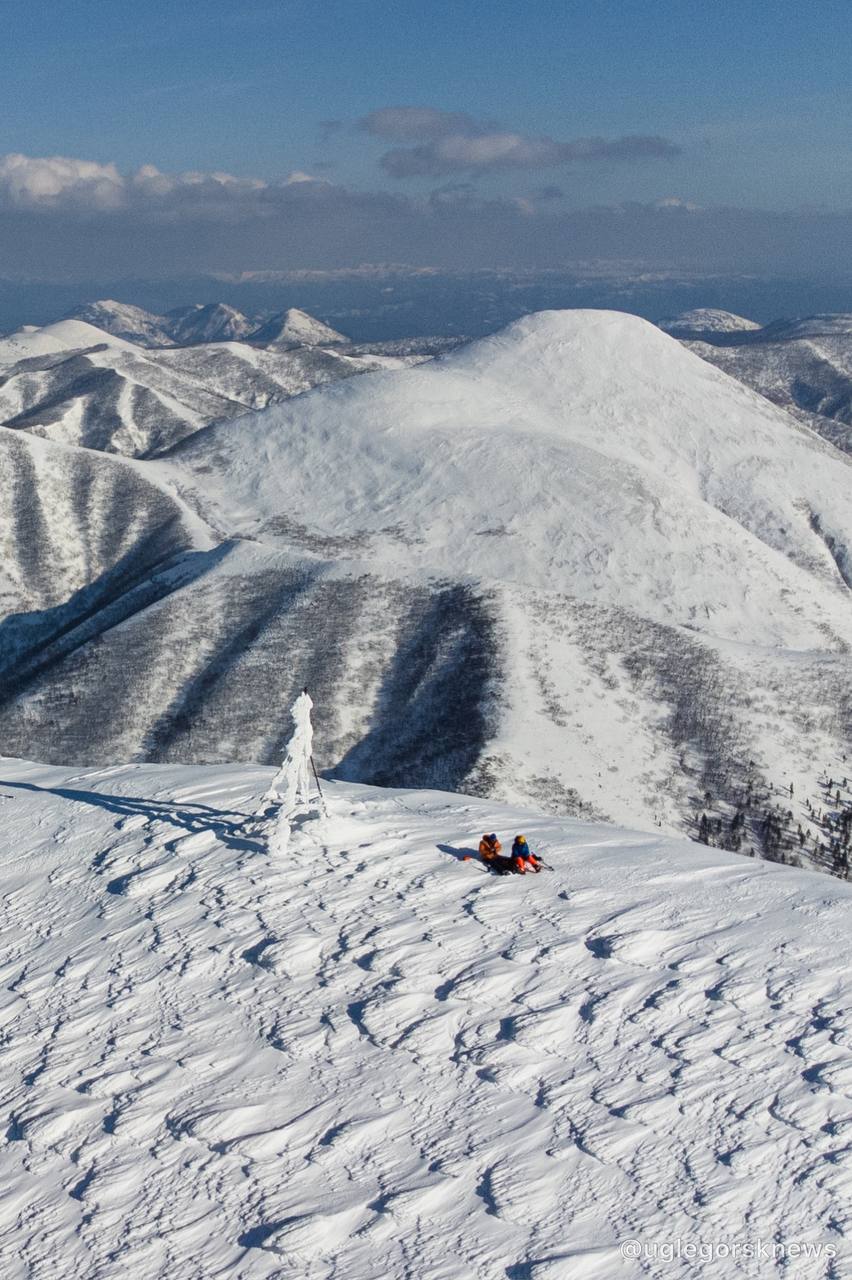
<point>291,785</point>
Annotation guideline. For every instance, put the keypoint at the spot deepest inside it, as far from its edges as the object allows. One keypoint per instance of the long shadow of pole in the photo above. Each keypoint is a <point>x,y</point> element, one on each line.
<point>226,824</point>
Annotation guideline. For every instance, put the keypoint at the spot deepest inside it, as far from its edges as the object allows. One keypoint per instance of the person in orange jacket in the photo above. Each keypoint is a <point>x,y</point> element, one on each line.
<point>489,851</point>
<point>523,858</point>
<point>489,848</point>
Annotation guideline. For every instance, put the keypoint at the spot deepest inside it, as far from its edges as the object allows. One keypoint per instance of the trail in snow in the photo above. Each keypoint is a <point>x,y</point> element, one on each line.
<point>374,1060</point>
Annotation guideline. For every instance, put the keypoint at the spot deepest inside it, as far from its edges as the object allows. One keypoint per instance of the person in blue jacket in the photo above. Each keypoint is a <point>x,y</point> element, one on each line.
<point>523,858</point>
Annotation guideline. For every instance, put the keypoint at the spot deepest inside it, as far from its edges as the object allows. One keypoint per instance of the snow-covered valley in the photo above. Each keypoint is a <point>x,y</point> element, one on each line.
<point>374,1059</point>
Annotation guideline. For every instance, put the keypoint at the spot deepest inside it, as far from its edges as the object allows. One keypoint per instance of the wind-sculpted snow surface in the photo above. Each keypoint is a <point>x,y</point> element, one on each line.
<point>374,1059</point>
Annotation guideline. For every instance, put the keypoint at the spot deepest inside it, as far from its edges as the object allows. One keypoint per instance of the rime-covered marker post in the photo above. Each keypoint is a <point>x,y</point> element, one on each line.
<point>291,785</point>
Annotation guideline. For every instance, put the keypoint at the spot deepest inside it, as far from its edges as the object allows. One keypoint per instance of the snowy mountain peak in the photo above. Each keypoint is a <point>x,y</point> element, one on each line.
<point>207,322</point>
<point>123,320</point>
<point>590,570</point>
<point>706,320</point>
<point>623,468</point>
<point>298,329</point>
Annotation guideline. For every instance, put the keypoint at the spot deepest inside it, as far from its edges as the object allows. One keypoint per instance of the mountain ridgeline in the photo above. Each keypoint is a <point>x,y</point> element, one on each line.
<point>572,564</point>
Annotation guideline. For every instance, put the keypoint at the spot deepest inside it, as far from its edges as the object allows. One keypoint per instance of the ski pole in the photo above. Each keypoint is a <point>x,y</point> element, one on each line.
<point>319,788</point>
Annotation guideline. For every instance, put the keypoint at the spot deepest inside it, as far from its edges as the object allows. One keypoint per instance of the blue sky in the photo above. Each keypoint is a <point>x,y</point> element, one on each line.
<point>747,102</point>
<point>757,93</point>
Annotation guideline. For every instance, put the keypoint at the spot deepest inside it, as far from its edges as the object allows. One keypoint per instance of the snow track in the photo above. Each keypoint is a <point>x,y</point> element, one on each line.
<point>376,1060</point>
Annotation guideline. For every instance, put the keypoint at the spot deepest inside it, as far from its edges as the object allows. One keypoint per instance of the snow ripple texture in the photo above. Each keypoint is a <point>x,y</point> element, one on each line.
<point>374,1059</point>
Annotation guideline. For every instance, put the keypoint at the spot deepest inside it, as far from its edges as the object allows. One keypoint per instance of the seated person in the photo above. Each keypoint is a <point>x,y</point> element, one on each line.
<point>523,858</point>
<point>489,848</point>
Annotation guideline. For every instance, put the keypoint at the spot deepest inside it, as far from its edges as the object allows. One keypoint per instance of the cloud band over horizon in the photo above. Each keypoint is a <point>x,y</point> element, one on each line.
<point>63,218</point>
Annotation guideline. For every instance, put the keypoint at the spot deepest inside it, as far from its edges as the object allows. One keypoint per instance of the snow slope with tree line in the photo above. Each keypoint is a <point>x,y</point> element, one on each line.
<point>374,1058</point>
<point>569,565</point>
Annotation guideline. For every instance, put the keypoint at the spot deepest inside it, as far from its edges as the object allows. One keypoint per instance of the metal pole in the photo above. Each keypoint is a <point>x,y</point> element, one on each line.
<point>319,788</point>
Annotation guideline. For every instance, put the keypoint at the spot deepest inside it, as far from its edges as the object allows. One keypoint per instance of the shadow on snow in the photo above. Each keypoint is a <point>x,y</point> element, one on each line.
<point>226,825</point>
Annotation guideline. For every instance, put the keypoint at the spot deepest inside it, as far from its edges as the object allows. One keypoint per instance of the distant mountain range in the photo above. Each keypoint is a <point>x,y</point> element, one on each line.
<point>209,322</point>
<point>572,563</point>
<point>380,302</point>
<point>78,384</point>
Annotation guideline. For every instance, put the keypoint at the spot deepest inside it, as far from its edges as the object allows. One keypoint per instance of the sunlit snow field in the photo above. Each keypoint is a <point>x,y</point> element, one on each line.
<point>374,1059</point>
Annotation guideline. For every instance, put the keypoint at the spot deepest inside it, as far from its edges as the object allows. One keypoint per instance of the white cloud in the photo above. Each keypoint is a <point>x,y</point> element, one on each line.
<point>487,151</point>
<point>298,175</point>
<point>675,202</point>
<point>62,182</point>
<point>446,142</point>
<point>417,124</point>
<point>30,181</point>
<point>165,223</point>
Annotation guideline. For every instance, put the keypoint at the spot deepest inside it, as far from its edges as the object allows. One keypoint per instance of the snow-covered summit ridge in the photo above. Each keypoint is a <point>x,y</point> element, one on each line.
<point>200,323</point>
<point>63,335</point>
<point>124,320</point>
<point>207,322</point>
<point>702,321</point>
<point>597,454</point>
<point>296,328</point>
<point>219,1063</point>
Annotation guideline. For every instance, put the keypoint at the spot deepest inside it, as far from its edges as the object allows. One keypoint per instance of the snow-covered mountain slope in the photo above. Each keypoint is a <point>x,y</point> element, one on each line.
<point>704,321</point>
<point>296,328</point>
<point>804,365</point>
<point>376,1059</point>
<point>123,399</point>
<point>64,335</point>
<point>810,377</point>
<point>210,322</point>
<point>207,322</point>
<point>256,377</point>
<point>198,322</point>
<point>819,326</point>
<point>576,451</point>
<point>125,321</point>
<point>571,565</point>
<point>84,537</point>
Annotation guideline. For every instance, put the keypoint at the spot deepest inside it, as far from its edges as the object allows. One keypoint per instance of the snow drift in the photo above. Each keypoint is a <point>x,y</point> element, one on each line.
<point>375,1059</point>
